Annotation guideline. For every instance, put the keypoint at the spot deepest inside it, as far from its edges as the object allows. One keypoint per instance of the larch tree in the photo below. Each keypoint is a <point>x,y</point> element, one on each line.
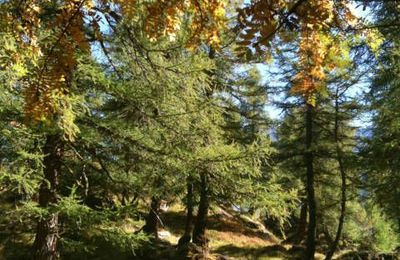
<point>49,35</point>
<point>382,146</point>
<point>115,102</point>
<point>319,26</point>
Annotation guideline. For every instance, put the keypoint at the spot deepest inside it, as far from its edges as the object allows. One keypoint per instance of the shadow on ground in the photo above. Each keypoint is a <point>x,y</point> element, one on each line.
<point>268,252</point>
<point>174,221</point>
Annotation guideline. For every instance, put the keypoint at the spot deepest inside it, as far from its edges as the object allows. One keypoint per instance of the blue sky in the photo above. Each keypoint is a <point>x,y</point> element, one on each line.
<point>356,90</point>
<point>272,111</point>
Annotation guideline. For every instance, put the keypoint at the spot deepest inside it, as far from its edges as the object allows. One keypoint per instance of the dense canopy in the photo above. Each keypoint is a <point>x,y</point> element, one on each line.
<point>199,129</point>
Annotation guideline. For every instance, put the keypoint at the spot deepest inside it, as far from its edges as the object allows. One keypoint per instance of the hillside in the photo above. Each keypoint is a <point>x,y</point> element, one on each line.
<point>232,236</point>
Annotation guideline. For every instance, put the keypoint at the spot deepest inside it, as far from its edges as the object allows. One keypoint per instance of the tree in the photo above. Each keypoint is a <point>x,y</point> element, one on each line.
<point>106,106</point>
<point>381,141</point>
<point>314,19</point>
<point>52,62</point>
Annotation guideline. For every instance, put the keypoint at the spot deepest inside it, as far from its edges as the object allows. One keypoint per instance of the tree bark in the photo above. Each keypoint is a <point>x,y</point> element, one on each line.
<point>335,243</point>
<point>199,230</point>
<point>302,227</point>
<point>46,240</point>
<point>309,158</point>
<point>152,220</point>
<point>187,236</point>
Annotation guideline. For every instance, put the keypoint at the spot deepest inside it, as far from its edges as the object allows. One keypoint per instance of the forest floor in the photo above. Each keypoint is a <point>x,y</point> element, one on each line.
<point>232,237</point>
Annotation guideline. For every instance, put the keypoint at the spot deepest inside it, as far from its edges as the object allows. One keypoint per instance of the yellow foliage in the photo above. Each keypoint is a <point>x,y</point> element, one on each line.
<point>374,40</point>
<point>54,62</point>
<point>207,19</point>
<point>313,53</point>
<point>203,21</point>
<point>49,86</point>
<point>262,20</point>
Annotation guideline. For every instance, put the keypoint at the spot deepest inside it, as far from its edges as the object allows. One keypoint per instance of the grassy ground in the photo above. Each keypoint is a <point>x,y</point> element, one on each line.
<point>229,236</point>
<point>232,237</point>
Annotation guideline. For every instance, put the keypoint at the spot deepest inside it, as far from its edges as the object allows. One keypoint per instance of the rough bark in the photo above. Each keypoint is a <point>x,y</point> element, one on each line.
<point>309,158</point>
<point>342,170</point>
<point>187,236</point>
<point>152,219</point>
<point>46,240</point>
<point>199,230</point>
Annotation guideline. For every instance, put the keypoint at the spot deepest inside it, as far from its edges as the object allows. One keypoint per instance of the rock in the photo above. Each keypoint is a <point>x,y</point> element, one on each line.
<point>164,234</point>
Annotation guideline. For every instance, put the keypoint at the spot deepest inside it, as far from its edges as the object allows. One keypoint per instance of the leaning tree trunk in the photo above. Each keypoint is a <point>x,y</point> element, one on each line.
<point>187,236</point>
<point>152,220</point>
<point>335,243</point>
<point>309,158</point>
<point>199,230</point>
<point>46,240</point>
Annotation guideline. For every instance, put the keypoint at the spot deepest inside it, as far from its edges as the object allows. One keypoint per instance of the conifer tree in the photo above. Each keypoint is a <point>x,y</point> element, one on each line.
<point>382,144</point>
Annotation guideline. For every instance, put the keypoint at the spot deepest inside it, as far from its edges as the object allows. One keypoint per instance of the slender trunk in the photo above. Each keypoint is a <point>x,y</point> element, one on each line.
<point>199,231</point>
<point>152,220</point>
<point>309,158</point>
<point>324,230</point>
<point>339,230</point>
<point>187,236</point>
<point>335,243</point>
<point>45,244</point>
<point>302,227</point>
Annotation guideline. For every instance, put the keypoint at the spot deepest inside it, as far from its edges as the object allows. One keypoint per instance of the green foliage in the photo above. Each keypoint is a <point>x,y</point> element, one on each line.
<point>369,229</point>
<point>139,118</point>
<point>381,146</point>
<point>384,232</point>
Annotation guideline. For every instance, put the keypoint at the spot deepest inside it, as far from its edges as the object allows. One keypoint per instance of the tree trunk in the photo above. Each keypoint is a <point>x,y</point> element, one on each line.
<point>187,236</point>
<point>335,243</point>
<point>152,220</point>
<point>309,158</point>
<point>302,227</point>
<point>45,244</point>
<point>199,231</point>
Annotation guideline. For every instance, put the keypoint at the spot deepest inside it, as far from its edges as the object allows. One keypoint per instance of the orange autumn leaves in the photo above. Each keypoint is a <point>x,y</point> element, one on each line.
<point>262,20</point>
<point>55,57</point>
<point>317,18</point>
<point>206,19</point>
<point>311,76</point>
<point>203,20</point>
<point>44,94</point>
<point>196,21</point>
<point>317,15</point>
